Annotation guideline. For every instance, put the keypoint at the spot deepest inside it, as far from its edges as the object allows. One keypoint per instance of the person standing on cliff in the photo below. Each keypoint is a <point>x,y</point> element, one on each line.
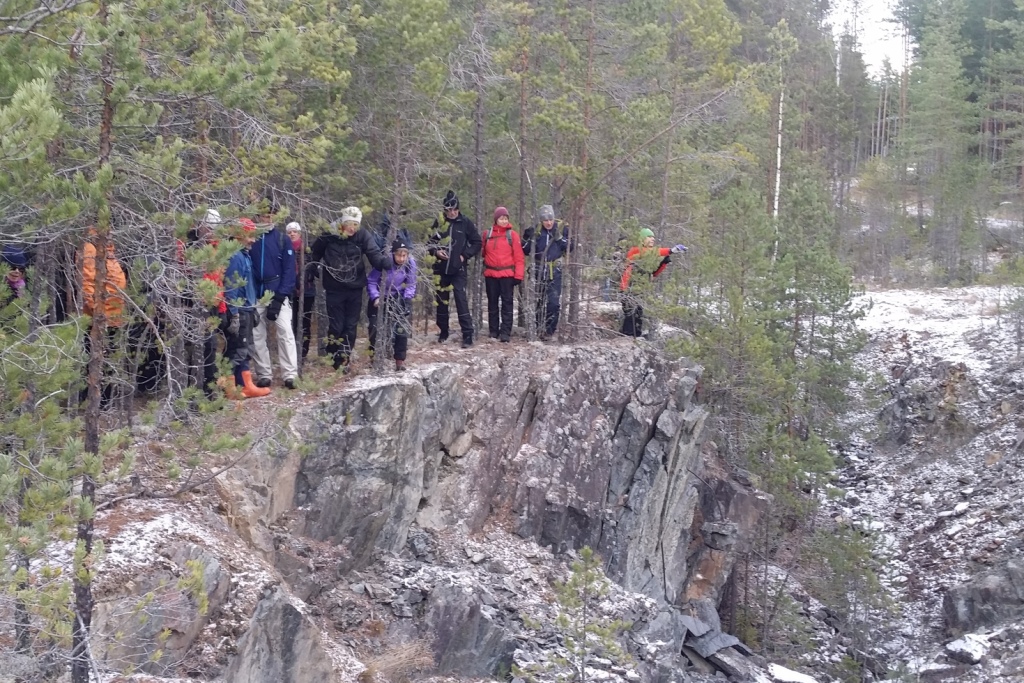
<point>549,242</point>
<point>641,259</point>
<point>504,265</point>
<point>273,264</point>
<point>240,298</point>
<point>390,294</point>
<point>454,241</point>
<point>344,278</point>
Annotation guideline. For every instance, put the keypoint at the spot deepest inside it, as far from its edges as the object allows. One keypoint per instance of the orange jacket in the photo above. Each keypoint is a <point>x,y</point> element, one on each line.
<point>503,253</point>
<point>632,255</point>
<point>115,284</point>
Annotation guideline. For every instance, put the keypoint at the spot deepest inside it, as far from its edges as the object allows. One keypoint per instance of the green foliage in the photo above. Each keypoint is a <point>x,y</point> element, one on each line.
<point>584,630</point>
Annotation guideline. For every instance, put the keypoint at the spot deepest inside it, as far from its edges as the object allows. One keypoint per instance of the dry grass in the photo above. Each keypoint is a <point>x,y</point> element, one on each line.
<point>375,628</point>
<point>397,663</point>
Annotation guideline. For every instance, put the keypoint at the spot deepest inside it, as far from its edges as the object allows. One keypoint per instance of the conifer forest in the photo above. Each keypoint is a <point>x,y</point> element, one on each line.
<point>750,131</point>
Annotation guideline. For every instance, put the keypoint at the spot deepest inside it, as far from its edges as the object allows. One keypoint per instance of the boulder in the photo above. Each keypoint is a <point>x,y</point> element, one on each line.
<point>282,645</point>
<point>992,598</point>
<point>374,450</point>
<point>468,637</point>
<point>969,649</point>
<point>151,621</point>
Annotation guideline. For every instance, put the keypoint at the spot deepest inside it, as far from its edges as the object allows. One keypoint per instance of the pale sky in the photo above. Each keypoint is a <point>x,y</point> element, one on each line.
<point>878,38</point>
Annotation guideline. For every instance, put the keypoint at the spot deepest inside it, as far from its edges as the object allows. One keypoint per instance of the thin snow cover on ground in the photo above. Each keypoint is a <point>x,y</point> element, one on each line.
<point>941,322</point>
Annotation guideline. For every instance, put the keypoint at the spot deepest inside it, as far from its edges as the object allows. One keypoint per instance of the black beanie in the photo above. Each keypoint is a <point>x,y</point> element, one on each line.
<point>451,201</point>
<point>399,243</point>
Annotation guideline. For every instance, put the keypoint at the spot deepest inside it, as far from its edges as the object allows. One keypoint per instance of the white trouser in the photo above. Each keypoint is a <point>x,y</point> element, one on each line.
<point>286,355</point>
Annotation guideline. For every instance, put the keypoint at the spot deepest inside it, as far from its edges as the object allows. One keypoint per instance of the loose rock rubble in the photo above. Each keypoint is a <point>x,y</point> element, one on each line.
<point>936,479</point>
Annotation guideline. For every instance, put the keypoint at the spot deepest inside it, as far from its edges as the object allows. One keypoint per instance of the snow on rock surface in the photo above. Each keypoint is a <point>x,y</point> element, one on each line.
<point>781,674</point>
<point>969,649</point>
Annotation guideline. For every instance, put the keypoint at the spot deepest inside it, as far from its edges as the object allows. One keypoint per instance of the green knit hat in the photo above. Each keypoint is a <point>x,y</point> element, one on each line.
<point>646,232</point>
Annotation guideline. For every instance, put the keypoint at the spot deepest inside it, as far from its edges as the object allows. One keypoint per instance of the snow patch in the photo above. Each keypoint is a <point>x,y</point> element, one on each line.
<point>781,674</point>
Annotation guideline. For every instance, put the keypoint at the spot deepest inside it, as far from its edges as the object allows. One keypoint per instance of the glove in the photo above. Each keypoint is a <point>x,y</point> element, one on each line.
<point>518,281</point>
<point>234,324</point>
<point>407,306</point>
<point>678,248</point>
<point>528,234</point>
<point>274,308</point>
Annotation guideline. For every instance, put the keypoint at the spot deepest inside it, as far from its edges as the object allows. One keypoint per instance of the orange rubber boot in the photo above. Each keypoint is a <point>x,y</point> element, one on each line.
<point>249,389</point>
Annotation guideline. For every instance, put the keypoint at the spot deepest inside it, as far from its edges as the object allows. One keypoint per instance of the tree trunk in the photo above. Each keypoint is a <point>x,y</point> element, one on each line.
<point>778,175</point>
<point>578,219</point>
<point>526,289</point>
<point>475,270</point>
<point>80,660</point>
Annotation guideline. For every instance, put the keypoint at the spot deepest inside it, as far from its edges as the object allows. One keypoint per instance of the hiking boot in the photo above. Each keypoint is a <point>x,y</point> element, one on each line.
<point>504,338</point>
<point>493,335</point>
<point>442,338</point>
<point>399,365</point>
<point>467,342</point>
<point>264,382</point>
<point>290,383</point>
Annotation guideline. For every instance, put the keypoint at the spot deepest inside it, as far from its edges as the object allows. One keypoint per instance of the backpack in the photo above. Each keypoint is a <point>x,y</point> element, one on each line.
<point>380,235</point>
<point>508,235</point>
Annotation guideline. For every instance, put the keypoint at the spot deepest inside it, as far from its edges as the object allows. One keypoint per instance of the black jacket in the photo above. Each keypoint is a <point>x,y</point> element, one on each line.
<point>342,259</point>
<point>459,238</point>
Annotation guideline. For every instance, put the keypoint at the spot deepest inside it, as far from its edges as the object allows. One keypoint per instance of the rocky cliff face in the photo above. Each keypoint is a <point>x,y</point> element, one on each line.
<point>437,507</point>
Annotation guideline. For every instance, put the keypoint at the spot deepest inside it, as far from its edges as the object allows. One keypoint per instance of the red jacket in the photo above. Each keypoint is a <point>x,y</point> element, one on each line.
<point>632,255</point>
<point>503,253</point>
<point>216,277</point>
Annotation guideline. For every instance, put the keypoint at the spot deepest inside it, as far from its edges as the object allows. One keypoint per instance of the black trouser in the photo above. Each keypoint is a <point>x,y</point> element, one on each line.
<point>500,291</point>
<point>210,352</point>
<point>395,312</point>
<point>632,316</point>
<point>149,359</point>
<point>445,285</point>
<point>343,309</point>
<point>236,348</point>
<point>308,304</point>
<point>549,299</point>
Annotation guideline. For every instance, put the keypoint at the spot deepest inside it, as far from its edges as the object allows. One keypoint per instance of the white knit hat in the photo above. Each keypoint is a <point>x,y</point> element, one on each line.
<point>294,225</point>
<point>352,214</point>
<point>212,217</point>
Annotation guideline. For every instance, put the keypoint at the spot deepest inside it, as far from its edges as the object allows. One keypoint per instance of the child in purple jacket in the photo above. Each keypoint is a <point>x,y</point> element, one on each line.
<point>391,294</point>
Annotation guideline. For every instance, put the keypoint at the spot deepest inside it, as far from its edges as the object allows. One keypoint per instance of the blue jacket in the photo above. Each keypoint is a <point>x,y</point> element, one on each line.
<point>548,246</point>
<point>239,287</point>
<point>273,263</point>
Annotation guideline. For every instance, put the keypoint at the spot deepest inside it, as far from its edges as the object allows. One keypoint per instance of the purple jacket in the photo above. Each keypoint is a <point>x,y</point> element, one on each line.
<point>397,281</point>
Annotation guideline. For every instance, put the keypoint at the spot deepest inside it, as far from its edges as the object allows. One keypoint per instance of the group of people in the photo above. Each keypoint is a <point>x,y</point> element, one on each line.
<point>271,281</point>
<point>268,281</point>
<point>455,240</point>
<point>267,266</point>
